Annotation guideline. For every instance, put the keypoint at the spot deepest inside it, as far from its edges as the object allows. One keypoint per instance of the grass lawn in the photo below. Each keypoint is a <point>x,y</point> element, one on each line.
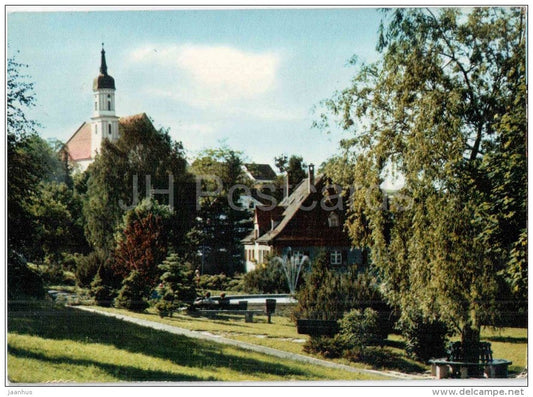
<point>281,335</point>
<point>49,343</point>
<point>508,343</point>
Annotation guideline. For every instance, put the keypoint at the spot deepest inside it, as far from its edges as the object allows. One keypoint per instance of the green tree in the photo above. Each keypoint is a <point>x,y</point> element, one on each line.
<point>294,166</point>
<point>57,212</point>
<point>178,285</point>
<point>142,242</point>
<point>120,175</point>
<point>23,173</point>
<point>221,223</point>
<point>443,107</point>
<point>132,294</point>
<point>102,287</point>
<point>23,177</point>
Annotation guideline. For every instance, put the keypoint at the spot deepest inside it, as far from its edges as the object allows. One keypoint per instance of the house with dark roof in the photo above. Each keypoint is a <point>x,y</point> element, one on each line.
<point>259,173</point>
<point>304,223</point>
<point>86,142</point>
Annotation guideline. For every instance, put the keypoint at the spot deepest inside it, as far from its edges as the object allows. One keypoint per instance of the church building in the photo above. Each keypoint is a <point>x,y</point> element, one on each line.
<point>86,142</point>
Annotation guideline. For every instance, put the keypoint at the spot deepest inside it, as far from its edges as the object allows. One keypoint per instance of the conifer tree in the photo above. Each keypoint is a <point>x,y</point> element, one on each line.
<point>132,294</point>
<point>177,285</point>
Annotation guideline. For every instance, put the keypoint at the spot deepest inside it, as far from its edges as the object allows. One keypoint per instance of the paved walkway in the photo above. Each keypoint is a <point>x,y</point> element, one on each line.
<point>249,346</point>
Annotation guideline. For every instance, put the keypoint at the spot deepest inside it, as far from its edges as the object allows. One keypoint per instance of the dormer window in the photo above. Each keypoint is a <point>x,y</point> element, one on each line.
<point>333,220</point>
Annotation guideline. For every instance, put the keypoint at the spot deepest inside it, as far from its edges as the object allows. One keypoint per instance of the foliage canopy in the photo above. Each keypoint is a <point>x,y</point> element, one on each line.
<point>445,108</point>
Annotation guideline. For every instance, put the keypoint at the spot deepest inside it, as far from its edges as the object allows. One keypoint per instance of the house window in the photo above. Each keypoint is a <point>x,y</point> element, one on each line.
<point>109,102</point>
<point>109,128</point>
<point>95,105</point>
<point>333,220</point>
<point>335,257</point>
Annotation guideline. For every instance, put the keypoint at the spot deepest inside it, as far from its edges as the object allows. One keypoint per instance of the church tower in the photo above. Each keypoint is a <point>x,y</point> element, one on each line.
<point>104,123</point>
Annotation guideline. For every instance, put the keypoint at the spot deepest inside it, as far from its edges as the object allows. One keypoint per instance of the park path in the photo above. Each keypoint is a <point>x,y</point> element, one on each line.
<point>249,346</point>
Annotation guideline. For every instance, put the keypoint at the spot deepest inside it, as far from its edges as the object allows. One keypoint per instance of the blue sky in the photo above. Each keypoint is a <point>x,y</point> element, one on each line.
<point>248,77</point>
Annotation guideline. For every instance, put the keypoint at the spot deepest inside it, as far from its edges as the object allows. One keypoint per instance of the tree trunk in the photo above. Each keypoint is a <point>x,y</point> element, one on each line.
<point>470,343</point>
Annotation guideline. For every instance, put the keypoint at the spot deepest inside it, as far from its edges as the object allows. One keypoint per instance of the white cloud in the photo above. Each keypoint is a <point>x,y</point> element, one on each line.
<point>213,74</point>
<point>196,129</point>
<point>260,109</point>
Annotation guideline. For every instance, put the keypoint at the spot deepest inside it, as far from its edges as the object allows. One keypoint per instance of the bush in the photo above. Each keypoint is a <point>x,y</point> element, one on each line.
<point>219,282</point>
<point>132,294</point>
<point>101,288</point>
<point>87,267</point>
<point>69,262</point>
<point>177,285</point>
<point>328,295</point>
<point>54,273</point>
<point>360,329</point>
<point>266,279</point>
<point>425,339</point>
<point>236,284</point>
<point>22,281</point>
<point>325,345</point>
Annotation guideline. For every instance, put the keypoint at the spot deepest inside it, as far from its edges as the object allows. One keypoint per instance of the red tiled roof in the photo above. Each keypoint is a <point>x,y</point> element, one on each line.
<point>79,145</point>
<point>130,119</point>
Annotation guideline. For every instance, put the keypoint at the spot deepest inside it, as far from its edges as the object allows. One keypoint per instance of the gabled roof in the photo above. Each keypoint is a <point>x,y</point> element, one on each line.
<point>128,120</point>
<point>292,205</point>
<point>79,145</point>
<point>260,172</point>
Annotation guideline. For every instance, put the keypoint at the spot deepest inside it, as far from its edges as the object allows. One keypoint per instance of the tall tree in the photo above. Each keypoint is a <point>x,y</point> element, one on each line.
<point>142,242</point>
<point>221,222</point>
<point>57,211</point>
<point>294,166</point>
<point>23,176</point>
<point>22,172</point>
<point>444,106</point>
<point>142,159</point>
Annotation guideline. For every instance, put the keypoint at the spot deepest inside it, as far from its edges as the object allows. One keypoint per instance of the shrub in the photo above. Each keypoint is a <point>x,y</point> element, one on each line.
<point>87,267</point>
<point>266,279</point>
<point>360,329</point>
<point>22,281</point>
<point>132,294</point>
<point>101,288</point>
<point>142,242</point>
<point>424,338</point>
<point>236,284</point>
<point>70,261</point>
<point>54,273</point>
<point>219,282</point>
<point>328,295</point>
<point>177,285</point>
<point>326,346</point>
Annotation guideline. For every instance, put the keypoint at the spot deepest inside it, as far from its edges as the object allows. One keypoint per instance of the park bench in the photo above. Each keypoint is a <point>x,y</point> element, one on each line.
<point>240,308</point>
<point>317,327</point>
<point>456,367</point>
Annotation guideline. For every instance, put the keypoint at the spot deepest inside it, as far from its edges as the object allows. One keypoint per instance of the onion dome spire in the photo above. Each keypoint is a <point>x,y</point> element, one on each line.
<point>103,80</point>
<point>103,65</point>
